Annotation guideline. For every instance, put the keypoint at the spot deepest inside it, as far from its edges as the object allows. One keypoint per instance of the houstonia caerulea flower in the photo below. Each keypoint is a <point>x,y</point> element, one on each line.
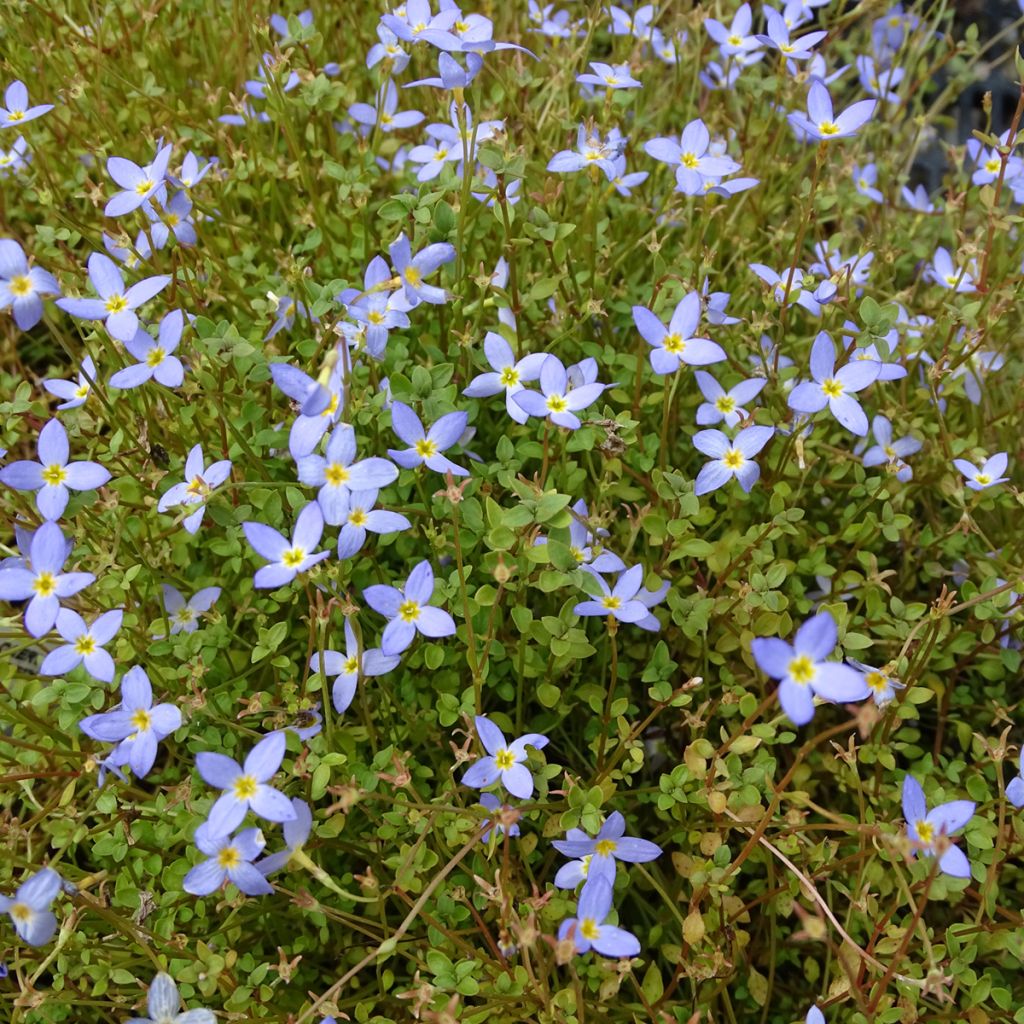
<point>195,489</point>
<point>451,74</point>
<point>675,345</point>
<point>988,475</point>
<point>880,684</point>
<point>184,615</point>
<point>929,831</point>
<point>172,218</point>
<point>309,395</point>
<point>1015,789</point>
<point>426,447</point>
<point>285,314</point>
<point>376,307</point>
<point>730,459</point>
<point>737,38</point>
<point>802,670</point>
<point>878,81</point>
<point>140,184</point>
<point>943,271</point>
<point>385,113</point>
<point>346,668</point>
<point>116,305</point>
<point>494,805</point>
<point>135,725</point>
<point>361,518</point>
<point>413,270</point>
<point>690,157</point>
<point>163,1003</point>
<point>570,875</point>
<point>559,398</point>
<point>73,394</point>
<point>608,76</point>
<point>337,475</point>
<point>245,788</point>
<point>29,907</point>
<point>42,582</point>
<point>22,286</point>
<point>155,357</point>
<point>588,930</point>
<point>722,404</point>
<point>821,121</point>
<point>508,375</point>
<point>230,859</point>
<point>287,559</point>
<point>609,845</point>
<point>14,159</point>
<point>811,301</point>
<point>296,833</point>
<point>504,761</point>
<point>52,475</point>
<point>777,37</point>
<point>864,180</point>
<point>408,610</point>
<point>890,452</point>
<point>15,112</point>
<point>591,151</point>
<point>834,388</point>
<point>84,645</point>
<point>583,540</point>
<point>620,601</point>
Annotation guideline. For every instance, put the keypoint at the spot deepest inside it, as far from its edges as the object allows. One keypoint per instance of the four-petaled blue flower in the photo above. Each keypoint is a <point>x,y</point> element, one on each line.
<point>988,474</point>
<point>676,344</point>
<point>426,446</point>
<point>507,374</point>
<point>84,645</point>
<point>412,270</point>
<point>588,929</point>
<point>929,831</point>
<point>730,459</point>
<point>230,859</point>
<point>620,601</point>
<point>834,388</point>
<point>287,558</point>
<point>347,668</point>
<point>22,286</point>
<point>408,610</point>
<point>609,845</point>
<point>156,358</point>
<point>559,398</point>
<point>163,1003</point>
<point>504,760</point>
<point>196,487</point>
<point>29,907</point>
<point>15,112</point>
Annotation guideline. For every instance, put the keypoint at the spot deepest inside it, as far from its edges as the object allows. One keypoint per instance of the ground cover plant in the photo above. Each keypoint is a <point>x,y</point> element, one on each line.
<point>511,513</point>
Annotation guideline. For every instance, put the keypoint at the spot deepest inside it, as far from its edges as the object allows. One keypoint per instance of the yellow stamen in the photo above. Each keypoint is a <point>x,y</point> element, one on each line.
<point>801,669</point>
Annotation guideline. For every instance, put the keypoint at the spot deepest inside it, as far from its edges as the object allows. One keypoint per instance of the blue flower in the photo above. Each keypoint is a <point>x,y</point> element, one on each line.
<point>116,305</point>
<point>504,761</point>
<point>15,112</point>
<point>609,845</point>
<point>163,1003</point>
<point>287,310</point>
<point>287,558</point>
<point>73,394</point>
<point>498,810</point>
<point>588,929</point>
<point>155,357</point>
<point>296,833</point>
<point>943,271</point>
<point>864,179</point>
<point>730,459</point>
<point>196,488</point>
<point>675,345</point>
<point>42,582</point>
<point>560,398</point>
<point>21,286</point>
<point>362,517</point>
<point>245,788</point>
<point>414,270</point>
<point>347,668</point>
<point>53,475</point>
<point>987,475</point>
<point>834,388</point>
<point>802,670</point>
<point>1015,789</point>
<point>230,859</point>
<point>690,156</point>
<point>591,151</point>
<point>621,601</point>
<point>29,908</point>
<point>408,611</point>
<point>725,405</point>
<point>881,685</point>
<point>84,645</point>
<point>609,76</point>
<point>376,307</point>
<point>184,614</point>
<point>778,37</point>
<point>385,113</point>
<point>135,724</point>
<point>426,447</point>
<point>890,452</point>
<point>140,184</point>
<point>507,374</point>
<point>822,123</point>
<point>929,831</point>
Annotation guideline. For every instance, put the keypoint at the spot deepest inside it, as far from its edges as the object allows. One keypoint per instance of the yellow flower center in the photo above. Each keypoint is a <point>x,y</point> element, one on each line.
<point>376,316</point>
<point>244,787</point>
<point>81,391</point>
<point>332,407</point>
<point>557,403</point>
<point>141,720</point>
<point>85,644</point>
<point>45,584</point>
<point>610,79</point>
<point>409,611</point>
<point>589,929</point>
<point>413,277</point>
<point>827,128</point>
<point>20,285</point>
<point>293,557</point>
<point>20,912</point>
<point>689,160</point>
<point>336,474</point>
<point>832,387</point>
<point>351,665</point>
<point>425,448</point>
<point>611,602</point>
<point>983,478</point>
<point>171,220</point>
<point>184,615</point>
<point>116,303</point>
<point>585,865</point>
<point>504,759</point>
<point>992,166</point>
<point>673,343</point>
<point>509,377</point>
<point>605,847</point>
<point>877,681</point>
<point>198,486</point>
<point>925,832</point>
<point>229,858</point>
<point>734,41</point>
<point>144,186</point>
<point>357,517</point>
<point>951,279</point>
<point>801,669</point>
<point>54,474</point>
<point>156,356</point>
<point>578,554</point>
<point>733,459</point>
<point>386,119</point>
<point>786,47</point>
<point>725,403</point>
<point>890,452</point>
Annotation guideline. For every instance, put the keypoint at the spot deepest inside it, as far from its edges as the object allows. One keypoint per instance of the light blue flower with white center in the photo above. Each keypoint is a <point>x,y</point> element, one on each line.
<point>196,488</point>
<point>890,452</point>
<point>692,157</point>
<point>16,111</point>
<point>943,271</point>
<point>426,447</point>
<point>408,610</point>
<point>84,645</point>
<point>230,860</point>
<point>348,667</point>
<point>287,558</point>
<point>135,724</point>
<point>155,356</point>
<point>611,844</point>
<point>730,458</point>
<point>384,113</point>
<point>15,159</point>
<point>29,907</point>
<point>140,184</point>
<point>778,37</point>
<point>725,405</point>
<point>42,581</point>
<point>163,1003</point>
<point>1015,789</point>
<point>675,345</point>
<point>116,304</point>
<point>865,180</point>
<point>560,396</point>
<point>802,670</point>
<point>880,684</point>
<point>74,394</point>
<point>362,518</point>
<point>592,150</point>
<point>22,286</point>
<point>929,831</point>
<point>588,929</point>
<point>608,76</point>
<point>988,474</point>
<point>507,374</point>
<point>52,475</point>
<point>245,788</point>
<point>504,761</point>
<point>619,601</point>
<point>296,833</point>
<point>571,874</point>
<point>834,388</point>
<point>821,123</point>
<point>184,615</point>
<point>413,270</point>
<point>337,475</point>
